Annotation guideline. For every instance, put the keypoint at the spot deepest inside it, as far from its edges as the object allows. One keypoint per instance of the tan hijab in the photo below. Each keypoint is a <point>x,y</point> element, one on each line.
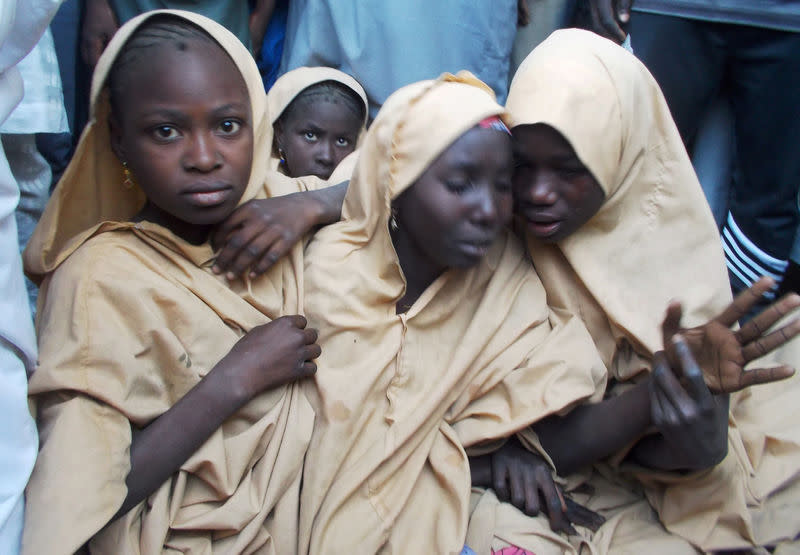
<point>398,397</point>
<point>292,83</point>
<point>653,239</point>
<point>131,318</point>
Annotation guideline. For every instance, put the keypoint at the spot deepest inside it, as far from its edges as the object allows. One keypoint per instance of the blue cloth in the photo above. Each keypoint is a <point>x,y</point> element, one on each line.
<point>386,44</point>
<point>783,15</point>
<point>269,59</point>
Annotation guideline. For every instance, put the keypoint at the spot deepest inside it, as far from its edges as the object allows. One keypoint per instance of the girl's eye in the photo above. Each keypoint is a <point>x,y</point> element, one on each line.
<point>230,127</point>
<point>166,132</point>
<point>458,187</point>
<point>310,136</point>
<point>341,141</point>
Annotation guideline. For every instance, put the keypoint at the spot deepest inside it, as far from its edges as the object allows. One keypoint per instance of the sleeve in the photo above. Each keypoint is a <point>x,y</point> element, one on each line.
<point>562,370</point>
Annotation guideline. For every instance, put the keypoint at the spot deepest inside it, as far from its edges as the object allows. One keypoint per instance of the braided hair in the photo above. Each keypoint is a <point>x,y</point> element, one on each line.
<point>330,91</point>
<point>158,31</point>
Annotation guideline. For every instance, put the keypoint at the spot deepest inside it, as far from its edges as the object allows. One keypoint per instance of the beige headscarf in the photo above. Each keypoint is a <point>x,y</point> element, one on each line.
<point>653,239</point>
<point>131,318</point>
<point>293,82</point>
<point>398,397</point>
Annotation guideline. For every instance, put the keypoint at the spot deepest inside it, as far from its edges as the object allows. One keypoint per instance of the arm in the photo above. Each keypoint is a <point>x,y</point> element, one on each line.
<point>259,19</point>
<point>590,433</point>
<point>261,231</point>
<point>268,356</point>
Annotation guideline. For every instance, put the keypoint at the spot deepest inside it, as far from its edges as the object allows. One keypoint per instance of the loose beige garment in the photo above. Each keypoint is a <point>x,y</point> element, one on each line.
<point>292,83</point>
<point>131,318</point>
<point>653,240</point>
<point>399,397</point>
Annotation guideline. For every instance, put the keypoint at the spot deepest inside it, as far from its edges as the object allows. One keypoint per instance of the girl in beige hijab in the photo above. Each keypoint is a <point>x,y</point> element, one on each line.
<point>318,115</point>
<point>436,334</point>
<point>617,228</point>
<point>167,408</point>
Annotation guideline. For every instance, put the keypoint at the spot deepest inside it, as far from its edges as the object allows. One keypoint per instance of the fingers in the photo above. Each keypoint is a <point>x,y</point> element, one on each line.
<point>517,489</point>
<point>222,230</point>
<point>531,495</point>
<point>308,369</point>
<point>758,376</point>
<point>672,321</point>
<point>297,320</point>
<point>745,301</point>
<point>767,318</point>
<point>771,341</point>
<point>696,385</point>
<point>580,515</point>
<point>674,403</point>
<point>554,501</point>
<point>499,479</point>
<point>605,20</point>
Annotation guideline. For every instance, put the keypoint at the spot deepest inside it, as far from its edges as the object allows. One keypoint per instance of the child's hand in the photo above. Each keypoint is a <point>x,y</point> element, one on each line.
<point>692,421</point>
<point>269,356</point>
<point>526,481</point>
<point>722,353</point>
<point>260,232</point>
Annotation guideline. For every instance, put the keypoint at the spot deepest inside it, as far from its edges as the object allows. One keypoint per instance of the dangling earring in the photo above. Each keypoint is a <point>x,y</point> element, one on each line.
<point>128,181</point>
<point>393,220</point>
<point>282,156</point>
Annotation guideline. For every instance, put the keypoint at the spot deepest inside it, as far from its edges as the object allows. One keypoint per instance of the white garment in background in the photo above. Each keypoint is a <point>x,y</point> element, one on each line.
<point>22,23</point>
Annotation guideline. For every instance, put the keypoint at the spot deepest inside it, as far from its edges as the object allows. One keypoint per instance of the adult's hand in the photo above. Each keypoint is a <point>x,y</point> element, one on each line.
<point>609,18</point>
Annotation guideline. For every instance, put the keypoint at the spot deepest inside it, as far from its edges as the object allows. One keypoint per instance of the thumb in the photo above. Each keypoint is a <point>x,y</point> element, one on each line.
<point>672,321</point>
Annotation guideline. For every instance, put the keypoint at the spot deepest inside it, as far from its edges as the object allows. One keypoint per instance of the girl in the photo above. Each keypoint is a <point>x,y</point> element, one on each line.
<point>423,303</point>
<point>167,411</point>
<point>318,114</point>
<point>617,227</point>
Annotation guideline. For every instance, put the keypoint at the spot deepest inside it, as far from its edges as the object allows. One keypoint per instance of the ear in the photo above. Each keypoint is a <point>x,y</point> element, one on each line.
<point>277,137</point>
<point>115,134</point>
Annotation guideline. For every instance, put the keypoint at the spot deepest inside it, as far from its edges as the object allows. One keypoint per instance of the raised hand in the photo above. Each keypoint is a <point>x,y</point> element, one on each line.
<point>722,353</point>
<point>691,420</point>
<point>525,480</point>
<point>270,355</point>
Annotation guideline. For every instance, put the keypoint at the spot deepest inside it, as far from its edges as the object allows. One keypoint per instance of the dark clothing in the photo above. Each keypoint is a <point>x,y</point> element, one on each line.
<point>772,14</point>
<point>758,69</point>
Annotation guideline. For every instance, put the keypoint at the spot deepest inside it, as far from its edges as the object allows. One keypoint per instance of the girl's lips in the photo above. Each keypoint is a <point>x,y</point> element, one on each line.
<point>543,229</point>
<point>204,199</point>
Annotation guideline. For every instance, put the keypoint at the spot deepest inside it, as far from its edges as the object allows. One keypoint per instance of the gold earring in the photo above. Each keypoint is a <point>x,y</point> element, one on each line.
<point>393,220</point>
<point>128,181</point>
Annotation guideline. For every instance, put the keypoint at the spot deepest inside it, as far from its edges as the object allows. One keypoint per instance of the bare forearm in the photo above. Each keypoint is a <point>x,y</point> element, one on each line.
<point>329,201</point>
<point>590,433</point>
<point>164,445</point>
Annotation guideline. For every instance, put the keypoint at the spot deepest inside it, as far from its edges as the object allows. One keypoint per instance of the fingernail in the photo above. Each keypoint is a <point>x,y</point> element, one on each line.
<point>230,276</point>
<point>253,275</point>
<point>624,17</point>
<point>216,269</point>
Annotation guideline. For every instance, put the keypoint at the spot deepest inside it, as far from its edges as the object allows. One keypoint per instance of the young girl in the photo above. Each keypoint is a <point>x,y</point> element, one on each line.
<point>617,227</point>
<point>166,408</point>
<point>318,114</point>
<point>423,301</point>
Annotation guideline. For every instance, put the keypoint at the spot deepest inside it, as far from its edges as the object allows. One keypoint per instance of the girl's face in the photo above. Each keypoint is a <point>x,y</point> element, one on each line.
<point>553,191</point>
<point>185,130</point>
<point>456,209</point>
<point>315,137</point>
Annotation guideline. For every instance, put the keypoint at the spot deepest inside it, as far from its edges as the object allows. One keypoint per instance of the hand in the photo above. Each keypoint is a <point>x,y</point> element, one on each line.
<point>525,479</point>
<point>99,25</point>
<point>722,353</point>
<point>269,356</point>
<point>608,18</point>
<point>691,420</point>
<point>261,231</point>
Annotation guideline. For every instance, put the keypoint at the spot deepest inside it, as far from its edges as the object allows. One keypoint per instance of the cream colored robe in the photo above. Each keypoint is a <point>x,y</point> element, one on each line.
<point>653,240</point>
<point>131,318</point>
<point>399,397</point>
<point>292,83</point>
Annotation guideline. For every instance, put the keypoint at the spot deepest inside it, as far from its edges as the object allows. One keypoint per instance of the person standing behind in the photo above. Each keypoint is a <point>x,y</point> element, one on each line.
<point>751,51</point>
<point>21,25</point>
